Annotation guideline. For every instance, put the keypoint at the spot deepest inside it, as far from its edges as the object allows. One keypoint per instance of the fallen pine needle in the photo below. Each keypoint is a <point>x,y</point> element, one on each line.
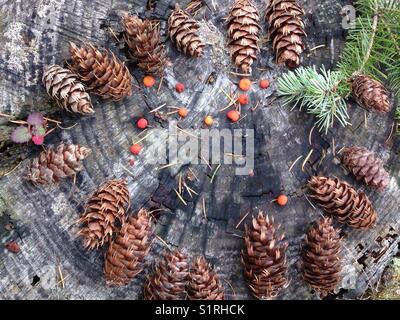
<point>50,131</point>
<point>305,196</point>
<point>146,136</point>
<point>163,242</point>
<point>167,166</point>
<point>74,179</point>
<point>240,74</point>
<point>158,108</point>
<point>180,183</point>
<point>306,159</point>
<point>191,171</point>
<point>390,134</point>
<point>159,86</point>
<point>127,170</point>
<point>204,209</point>
<point>241,220</point>
<point>241,119</point>
<point>365,120</point>
<point>293,164</point>
<point>180,197</point>
<point>317,47</point>
<point>229,284</point>
<point>333,146</point>
<point>236,235</point>
<point>310,136</point>
<point>51,120</point>
<point>61,276</point>
<point>67,128</point>
<point>207,163</point>
<point>228,96</point>
<point>64,278</point>
<point>12,170</point>
<point>215,172</point>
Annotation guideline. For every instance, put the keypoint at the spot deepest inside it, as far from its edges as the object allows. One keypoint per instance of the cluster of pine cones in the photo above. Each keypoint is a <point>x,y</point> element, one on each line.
<point>129,240</point>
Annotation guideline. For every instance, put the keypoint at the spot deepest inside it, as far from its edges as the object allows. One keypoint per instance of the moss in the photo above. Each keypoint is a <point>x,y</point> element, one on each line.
<point>390,289</point>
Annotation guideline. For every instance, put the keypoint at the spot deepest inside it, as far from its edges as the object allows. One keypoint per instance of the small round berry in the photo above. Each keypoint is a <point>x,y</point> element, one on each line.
<point>243,99</point>
<point>180,87</point>
<point>233,115</point>
<point>245,84</point>
<point>183,112</point>
<point>282,200</point>
<point>264,84</point>
<point>38,140</point>
<point>208,120</point>
<point>135,148</point>
<point>142,123</point>
<point>149,81</point>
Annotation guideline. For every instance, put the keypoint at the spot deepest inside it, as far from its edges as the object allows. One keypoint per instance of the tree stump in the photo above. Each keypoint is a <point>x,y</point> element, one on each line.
<point>41,218</point>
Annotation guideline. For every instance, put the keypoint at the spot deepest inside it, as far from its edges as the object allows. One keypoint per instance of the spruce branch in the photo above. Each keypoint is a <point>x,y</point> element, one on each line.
<point>318,92</point>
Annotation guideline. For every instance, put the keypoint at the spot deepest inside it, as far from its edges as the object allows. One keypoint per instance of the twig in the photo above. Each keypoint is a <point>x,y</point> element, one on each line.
<point>293,164</point>
<point>241,220</point>
<point>371,42</point>
<point>180,197</point>
<point>306,159</point>
<point>215,172</point>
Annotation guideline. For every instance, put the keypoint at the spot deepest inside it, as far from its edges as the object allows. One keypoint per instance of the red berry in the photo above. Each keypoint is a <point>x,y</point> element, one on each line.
<point>12,247</point>
<point>233,115</point>
<point>264,84</point>
<point>245,84</point>
<point>180,87</point>
<point>282,200</point>
<point>142,123</point>
<point>38,140</point>
<point>135,148</point>
<point>243,99</point>
<point>149,81</point>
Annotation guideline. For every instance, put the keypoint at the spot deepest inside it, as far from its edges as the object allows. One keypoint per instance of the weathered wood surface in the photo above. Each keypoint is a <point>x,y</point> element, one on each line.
<point>36,33</point>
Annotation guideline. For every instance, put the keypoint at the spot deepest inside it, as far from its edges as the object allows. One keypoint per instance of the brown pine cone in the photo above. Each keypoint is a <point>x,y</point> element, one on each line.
<point>364,164</point>
<point>243,32</point>
<point>286,30</point>
<point>55,164</point>
<point>183,31</point>
<point>103,73</point>
<point>342,201</point>
<point>369,93</point>
<point>63,86</point>
<point>321,265</point>
<point>169,279</point>
<point>264,257</point>
<point>203,282</point>
<point>127,252</point>
<point>104,209</point>
<point>143,40</point>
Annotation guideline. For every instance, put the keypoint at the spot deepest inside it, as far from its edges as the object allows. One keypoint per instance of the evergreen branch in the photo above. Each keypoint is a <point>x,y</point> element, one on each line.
<point>371,42</point>
<point>305,87</point>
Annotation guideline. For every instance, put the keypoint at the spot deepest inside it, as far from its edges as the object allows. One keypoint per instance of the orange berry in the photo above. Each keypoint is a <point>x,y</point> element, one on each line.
<point>208,120</point>
<point>135,148</point>
<point>142,123</point>
<point>264,84</point>
<point>180,87</point>
<point>233,115</point>
<point>282,200</point>
<point>245,84</point>
<point>243,99</point>
<point>183,112</point>
<point>149,81</point>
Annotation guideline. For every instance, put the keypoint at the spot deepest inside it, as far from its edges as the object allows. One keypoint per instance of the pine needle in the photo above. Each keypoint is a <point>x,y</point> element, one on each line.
<point>180,197</point>
<point>215,172</point>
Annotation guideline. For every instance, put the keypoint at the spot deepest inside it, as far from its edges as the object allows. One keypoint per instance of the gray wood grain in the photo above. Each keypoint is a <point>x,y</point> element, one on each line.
<point>36,33</point>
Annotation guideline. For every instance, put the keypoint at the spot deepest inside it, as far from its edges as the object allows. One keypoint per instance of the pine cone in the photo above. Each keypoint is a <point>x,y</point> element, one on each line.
<point>321,265</point>
<point>243,32</point>
<point>104,209</point>
<point>203,282</point>
<point>183,31</point>
<point>369,93</point>
<point>169,279</point>
<point>143,40</point>
<point>286,30</point>
<point>364,164</point>
<point>63,86</point>
<point>127,252</point>
<point>342,201</point>
<point>264,257</point>
<point>104,74</point>
<point>53,165</point>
